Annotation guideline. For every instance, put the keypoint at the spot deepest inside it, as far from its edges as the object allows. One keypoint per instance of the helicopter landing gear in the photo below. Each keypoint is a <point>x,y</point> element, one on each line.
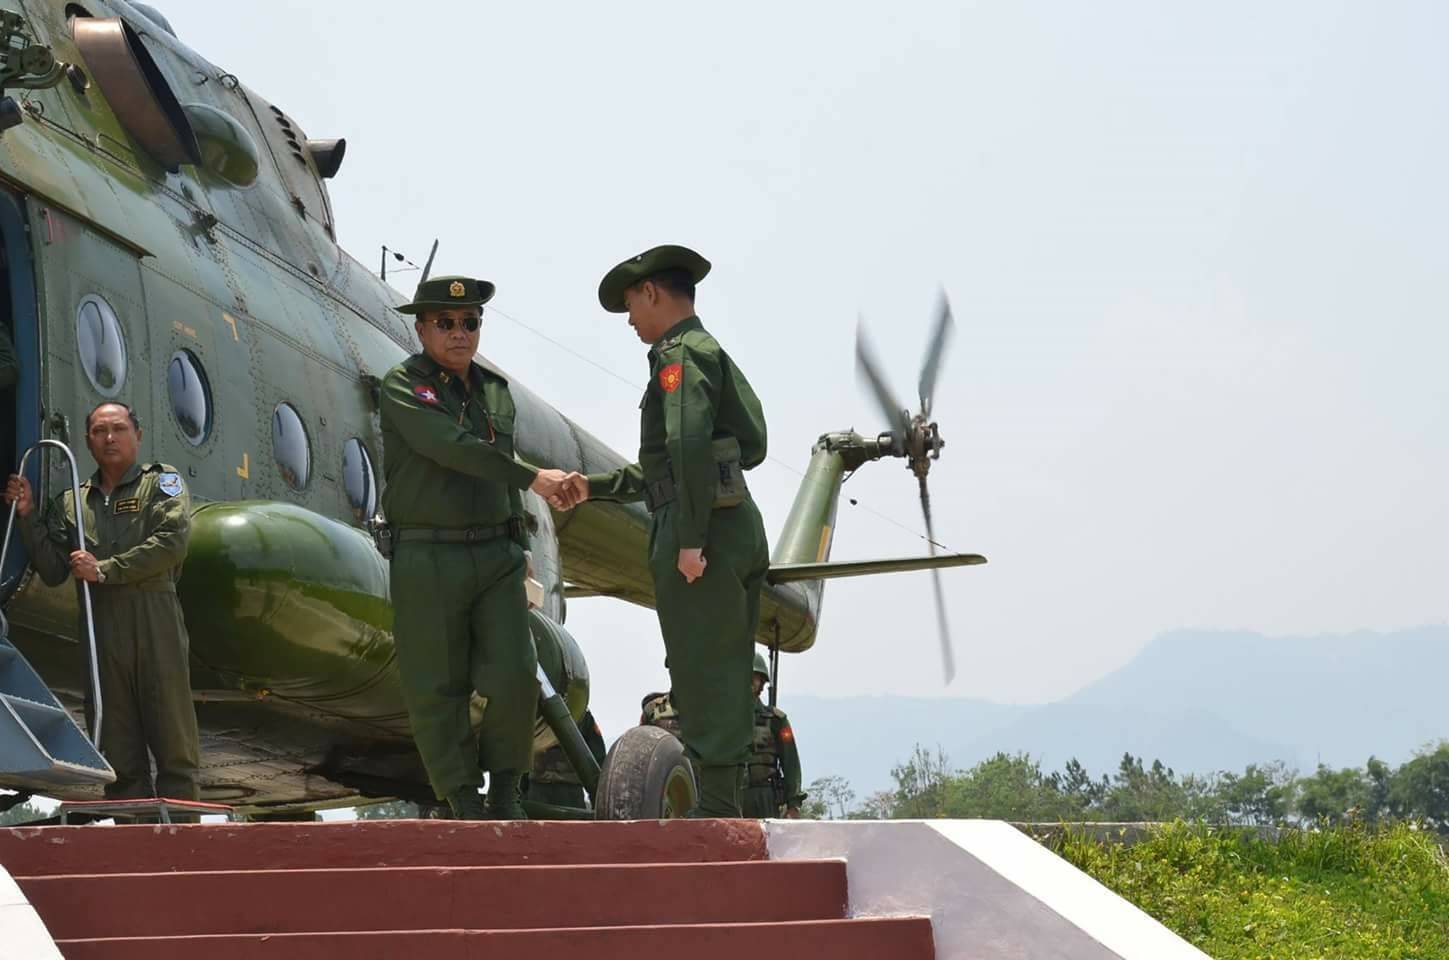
<point>646,776</point>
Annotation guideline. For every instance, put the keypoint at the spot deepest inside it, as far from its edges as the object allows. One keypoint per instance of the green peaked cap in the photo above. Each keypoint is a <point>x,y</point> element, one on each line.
<point>645,265</point>
<point>440,293</point>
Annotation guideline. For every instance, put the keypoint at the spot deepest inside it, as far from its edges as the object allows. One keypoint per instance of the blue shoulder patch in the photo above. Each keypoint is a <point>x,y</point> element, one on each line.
<point>170,484</point>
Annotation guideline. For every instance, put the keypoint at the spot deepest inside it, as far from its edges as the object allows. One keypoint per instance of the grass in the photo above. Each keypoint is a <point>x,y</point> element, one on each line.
<point>1350,893</point>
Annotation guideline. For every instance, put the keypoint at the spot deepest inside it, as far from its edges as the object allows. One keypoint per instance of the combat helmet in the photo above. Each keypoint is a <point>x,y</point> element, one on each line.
<point>762,666</point>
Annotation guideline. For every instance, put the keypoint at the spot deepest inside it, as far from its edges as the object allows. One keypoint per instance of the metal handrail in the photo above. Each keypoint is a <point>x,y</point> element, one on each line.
<point>80,533</point>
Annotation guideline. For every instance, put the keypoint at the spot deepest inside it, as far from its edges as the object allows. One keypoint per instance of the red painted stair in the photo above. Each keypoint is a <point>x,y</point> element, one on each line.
<point>455,890</point>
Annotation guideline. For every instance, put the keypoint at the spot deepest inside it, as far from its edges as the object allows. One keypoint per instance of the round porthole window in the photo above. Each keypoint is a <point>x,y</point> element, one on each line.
<point>290,446</point>
<point>359,480</point>
<point>190,396</point>
<point>102,349</point>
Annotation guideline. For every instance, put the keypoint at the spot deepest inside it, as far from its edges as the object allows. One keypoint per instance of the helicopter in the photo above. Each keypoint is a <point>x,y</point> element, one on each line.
<point>168,240</point>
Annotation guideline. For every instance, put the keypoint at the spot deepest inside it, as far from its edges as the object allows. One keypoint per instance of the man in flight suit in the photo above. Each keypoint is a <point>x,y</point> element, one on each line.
<point>453,501</point>
<point>702,427</point>
<point>773,785</point>
<point>137,521</point>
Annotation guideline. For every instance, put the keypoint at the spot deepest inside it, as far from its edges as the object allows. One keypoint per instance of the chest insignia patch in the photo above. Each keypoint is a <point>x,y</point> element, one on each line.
<point>425,393</point>
<point>129,505</point>
<point>170,484</point>
<point>671,377</point>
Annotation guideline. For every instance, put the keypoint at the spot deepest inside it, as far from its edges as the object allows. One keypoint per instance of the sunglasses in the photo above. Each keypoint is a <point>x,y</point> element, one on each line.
<point>470,323</point>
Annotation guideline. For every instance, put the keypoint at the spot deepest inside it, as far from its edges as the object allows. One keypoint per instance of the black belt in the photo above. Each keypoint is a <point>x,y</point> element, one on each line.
<point>457,534</point>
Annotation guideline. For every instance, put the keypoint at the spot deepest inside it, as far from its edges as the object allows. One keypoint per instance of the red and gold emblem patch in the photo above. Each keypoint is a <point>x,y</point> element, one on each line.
<point>671,377</point>
<point>425,393</point>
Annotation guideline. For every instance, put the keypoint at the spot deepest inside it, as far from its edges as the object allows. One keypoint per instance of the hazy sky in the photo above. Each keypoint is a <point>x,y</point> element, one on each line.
<point>1196,252</point>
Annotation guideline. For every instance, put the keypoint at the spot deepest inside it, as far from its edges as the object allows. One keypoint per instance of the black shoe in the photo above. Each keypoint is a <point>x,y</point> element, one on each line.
<point>466,804</point>
<point>504,799</point>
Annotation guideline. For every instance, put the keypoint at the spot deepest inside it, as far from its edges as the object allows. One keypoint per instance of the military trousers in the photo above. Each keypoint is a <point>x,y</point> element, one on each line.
<point>709,629</point>
<point>758,802</point>
<point>460,624</point>
<point>143,654</point>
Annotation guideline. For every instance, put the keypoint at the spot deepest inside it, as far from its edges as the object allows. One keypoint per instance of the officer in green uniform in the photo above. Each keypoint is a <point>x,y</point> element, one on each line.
<point>702,426</point>
<point>137,521</point>
<point>773,784</point>
<point>454,507</point>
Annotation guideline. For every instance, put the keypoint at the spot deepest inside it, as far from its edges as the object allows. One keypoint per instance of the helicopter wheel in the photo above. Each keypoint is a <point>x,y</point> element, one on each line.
<point>646,776</point>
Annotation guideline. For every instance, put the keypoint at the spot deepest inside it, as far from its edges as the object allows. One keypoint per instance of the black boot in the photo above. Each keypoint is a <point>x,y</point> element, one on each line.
<point>466,804</point>
<point>504,801</point>
<point>719,792</point>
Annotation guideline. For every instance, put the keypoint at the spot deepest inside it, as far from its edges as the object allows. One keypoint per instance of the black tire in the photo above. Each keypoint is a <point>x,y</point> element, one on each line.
<point>646,776</point>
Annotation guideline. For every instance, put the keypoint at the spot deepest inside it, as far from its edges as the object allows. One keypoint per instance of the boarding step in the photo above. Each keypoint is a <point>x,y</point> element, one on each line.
<point>41,747</point>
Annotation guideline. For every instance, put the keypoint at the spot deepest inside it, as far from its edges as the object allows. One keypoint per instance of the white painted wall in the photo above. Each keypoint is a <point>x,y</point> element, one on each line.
<point>22,935</point>
<point>991,892</point>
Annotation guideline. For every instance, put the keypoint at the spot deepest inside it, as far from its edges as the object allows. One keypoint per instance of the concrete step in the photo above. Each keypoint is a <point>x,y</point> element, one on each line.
<point>435,898</point>
<point>898,938</point>
<point>47,851</point>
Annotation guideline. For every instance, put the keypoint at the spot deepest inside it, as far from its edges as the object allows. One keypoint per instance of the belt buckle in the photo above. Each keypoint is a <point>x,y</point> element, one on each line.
<point>470,535</point>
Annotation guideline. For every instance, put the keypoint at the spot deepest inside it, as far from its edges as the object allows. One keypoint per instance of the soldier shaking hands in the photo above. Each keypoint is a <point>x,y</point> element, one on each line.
<point>454,502</point>
<point>702,428</point>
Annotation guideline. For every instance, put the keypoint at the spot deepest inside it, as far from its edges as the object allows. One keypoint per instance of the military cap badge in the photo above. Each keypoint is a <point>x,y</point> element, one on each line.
<point>457,289</point>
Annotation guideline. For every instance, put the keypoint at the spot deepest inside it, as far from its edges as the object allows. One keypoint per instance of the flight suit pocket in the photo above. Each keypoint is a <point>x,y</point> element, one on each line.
<point>502,424</point>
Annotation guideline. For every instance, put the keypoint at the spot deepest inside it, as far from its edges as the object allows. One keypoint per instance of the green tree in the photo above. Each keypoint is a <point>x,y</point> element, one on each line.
<point>1082,797</point>
<point>1139,794</point>
<point>829,798</point>
<point>1005,788</point>
<point>1334,796</point>
<point>921,785</point>
<point>1261,795</point>
<point>1420,788</point>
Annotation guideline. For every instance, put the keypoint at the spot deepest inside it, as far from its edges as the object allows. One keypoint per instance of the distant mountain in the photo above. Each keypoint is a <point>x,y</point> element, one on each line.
<point>1198,700</point>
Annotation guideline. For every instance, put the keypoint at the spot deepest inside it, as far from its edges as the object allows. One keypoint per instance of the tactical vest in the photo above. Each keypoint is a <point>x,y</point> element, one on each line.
<point>660,712</point>
<point>764,752</point>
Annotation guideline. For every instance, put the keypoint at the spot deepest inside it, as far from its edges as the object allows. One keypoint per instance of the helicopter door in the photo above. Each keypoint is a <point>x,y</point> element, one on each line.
<point>20,402</point>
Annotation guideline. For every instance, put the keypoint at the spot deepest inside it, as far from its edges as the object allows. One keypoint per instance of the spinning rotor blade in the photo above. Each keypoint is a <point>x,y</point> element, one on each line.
<point>868,367</point>
<point>935,350</point>
<point>948,656</point>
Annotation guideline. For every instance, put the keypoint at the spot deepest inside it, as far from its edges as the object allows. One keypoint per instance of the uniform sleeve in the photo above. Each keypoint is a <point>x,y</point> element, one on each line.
<point>163,550</point>
<point>47,540</point>
<point>625,484</point>
<point>430,432</point>
<point>789,761</point>
<point>689,414</point>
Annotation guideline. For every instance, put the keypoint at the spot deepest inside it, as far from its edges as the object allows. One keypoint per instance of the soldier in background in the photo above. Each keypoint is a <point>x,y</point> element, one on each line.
<point>773,787</point>
<point>138,522</point>
<point>554,780</point>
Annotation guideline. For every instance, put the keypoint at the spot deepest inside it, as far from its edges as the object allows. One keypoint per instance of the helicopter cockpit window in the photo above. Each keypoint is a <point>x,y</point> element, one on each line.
<point>190,396</point>
<point>290,446</point>
<point>359,480</point>
<point>102,350</point>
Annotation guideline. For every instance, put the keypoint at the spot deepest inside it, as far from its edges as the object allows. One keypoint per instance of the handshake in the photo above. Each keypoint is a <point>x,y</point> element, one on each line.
<point>563,491</point>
